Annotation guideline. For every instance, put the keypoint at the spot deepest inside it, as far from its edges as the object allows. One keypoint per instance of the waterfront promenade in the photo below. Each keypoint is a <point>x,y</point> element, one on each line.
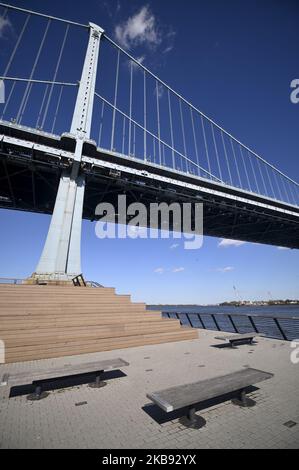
<point>120,416</point>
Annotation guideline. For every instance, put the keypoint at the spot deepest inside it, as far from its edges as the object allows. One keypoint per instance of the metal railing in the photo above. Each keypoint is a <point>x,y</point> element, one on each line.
<point>79,281</point>
<point>17,281</point>
<point>11,280</point>
<point>93,284</point>
<point>286,328</point>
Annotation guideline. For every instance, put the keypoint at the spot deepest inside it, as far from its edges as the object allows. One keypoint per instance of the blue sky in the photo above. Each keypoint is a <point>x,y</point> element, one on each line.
<point>233,60</point>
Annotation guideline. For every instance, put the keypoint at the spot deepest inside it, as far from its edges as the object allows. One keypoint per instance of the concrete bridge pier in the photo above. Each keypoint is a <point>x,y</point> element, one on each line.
<point>60,261</point>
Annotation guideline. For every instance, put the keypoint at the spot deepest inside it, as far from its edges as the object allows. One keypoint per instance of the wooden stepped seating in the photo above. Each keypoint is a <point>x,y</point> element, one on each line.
<point>38,322</point>
<point>28,321</point>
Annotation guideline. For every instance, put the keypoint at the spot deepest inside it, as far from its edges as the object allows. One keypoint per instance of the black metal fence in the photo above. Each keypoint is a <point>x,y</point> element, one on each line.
<point>286,328</point>
<point>10,280</point>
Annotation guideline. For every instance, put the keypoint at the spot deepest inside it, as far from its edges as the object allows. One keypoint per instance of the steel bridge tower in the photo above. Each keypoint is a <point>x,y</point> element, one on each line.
<point>60,261</point>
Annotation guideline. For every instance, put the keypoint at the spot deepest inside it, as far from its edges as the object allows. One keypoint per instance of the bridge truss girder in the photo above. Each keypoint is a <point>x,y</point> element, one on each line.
<point>30,176</point>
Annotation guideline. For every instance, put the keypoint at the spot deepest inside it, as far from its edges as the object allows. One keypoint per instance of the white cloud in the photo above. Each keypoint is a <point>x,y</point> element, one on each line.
<point>174,246</point>
<point>225,242</point>
<point>178,270</point>
<point>139,29</point>
<point>111,7</point>
<point>159,90</point>
<point>5,24</point>
<point>159,270</point>
<point>140,59</point>
<point>167,49</point>
<point>227,269</point>
<point>282,248</point>
<point>174,270</point>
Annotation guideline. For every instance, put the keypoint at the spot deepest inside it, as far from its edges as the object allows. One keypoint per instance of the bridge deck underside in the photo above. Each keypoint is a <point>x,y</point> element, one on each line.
<point>32,186</point>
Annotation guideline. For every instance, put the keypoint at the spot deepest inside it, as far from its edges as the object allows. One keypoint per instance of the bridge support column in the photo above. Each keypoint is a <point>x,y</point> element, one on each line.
<point>60,261</point>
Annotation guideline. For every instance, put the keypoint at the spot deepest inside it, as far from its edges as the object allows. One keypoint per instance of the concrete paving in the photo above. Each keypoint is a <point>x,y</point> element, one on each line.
<point>120,416</point>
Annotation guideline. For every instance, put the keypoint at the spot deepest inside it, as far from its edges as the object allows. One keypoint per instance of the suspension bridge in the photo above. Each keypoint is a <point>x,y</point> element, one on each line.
<point>83,121</point>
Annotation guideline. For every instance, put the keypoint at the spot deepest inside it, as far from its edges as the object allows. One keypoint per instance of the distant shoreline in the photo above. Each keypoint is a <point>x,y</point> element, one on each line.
<point>230,304</point>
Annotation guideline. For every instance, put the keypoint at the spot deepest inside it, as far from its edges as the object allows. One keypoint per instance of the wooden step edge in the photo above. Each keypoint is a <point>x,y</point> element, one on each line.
<point>12,357</point>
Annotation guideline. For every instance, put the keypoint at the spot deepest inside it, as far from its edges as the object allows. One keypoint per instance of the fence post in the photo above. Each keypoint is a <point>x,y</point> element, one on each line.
<point>253,324</point>
<point>177,315</point>
<point>202,323</point>
<point>215,321</point>
<point>233,323</point>
<point>280,329</point>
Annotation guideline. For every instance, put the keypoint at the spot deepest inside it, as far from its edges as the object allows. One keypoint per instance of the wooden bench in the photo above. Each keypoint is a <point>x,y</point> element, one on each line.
<point>240,339</point>
<point>189,395</point>
<point>65,370</point>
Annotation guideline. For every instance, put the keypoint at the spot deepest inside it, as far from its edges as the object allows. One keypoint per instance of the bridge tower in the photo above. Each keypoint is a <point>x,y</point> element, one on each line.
<point>60,261</point>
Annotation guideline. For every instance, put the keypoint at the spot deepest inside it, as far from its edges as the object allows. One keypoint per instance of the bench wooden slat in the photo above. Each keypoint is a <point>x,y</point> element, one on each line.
<point>175,398</point>
<point>27,377</point>
<point>239,337</point>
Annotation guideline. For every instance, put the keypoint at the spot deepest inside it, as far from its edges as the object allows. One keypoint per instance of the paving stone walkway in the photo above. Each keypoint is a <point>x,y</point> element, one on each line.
<point>120,416</point>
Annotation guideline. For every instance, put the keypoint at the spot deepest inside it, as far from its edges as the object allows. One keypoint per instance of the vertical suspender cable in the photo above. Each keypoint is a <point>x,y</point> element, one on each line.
<point>293,194</point>
<point>134,142</point>
<point>17,45</point>
<point>288,187</point>
<point>270,182</point>
<point>262,177</point>
<point>183,133</point>
<point>42,106</point>
<point>144,113</point>
<point>130,111</point>
<point>216,151</point>
<point>158,120</point>
<point>253,171</point>
<point>115,100</point>
<point>236,163</point>
<point>195,142</point>
<point>4,14</point>
<point>278,187</point>
<point>171,130</point>
<point>26,100</point>
<point>28,88</point>
<point>124,134</point>
<point>206,145</point>
<point>55,74</point>
<point>285,190</point>
<point>57,109</point>
<point>20,37</point>
<point>101,125</point>
<point>226,158</point>
<point>245,168</point>
<point>8,99</point>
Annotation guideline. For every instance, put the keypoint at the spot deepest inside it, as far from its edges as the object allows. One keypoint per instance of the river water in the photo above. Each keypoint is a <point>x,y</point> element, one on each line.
<point>269,311</point>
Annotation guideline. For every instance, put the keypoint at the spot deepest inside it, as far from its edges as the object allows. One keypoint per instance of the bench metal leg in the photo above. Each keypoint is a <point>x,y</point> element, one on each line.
<point>192,420</point>
<point>191,415</point>
<point>236,343</point>
<point>38,394</point>
<point>98,383</point>
<point>243,400</point>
